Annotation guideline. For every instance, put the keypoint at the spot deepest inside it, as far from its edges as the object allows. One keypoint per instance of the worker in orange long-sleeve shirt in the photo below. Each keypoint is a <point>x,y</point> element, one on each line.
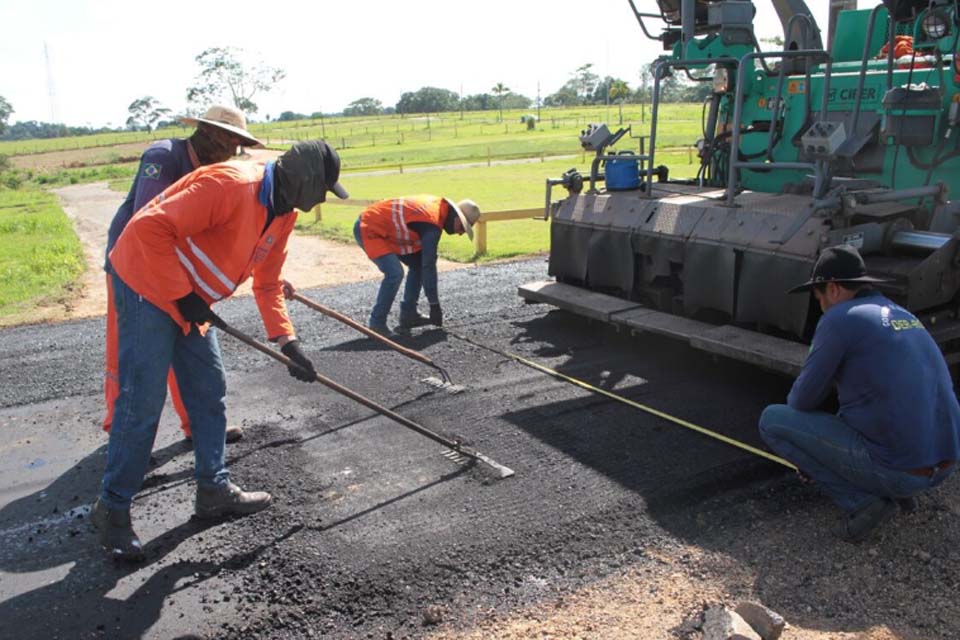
<point>192,246</point>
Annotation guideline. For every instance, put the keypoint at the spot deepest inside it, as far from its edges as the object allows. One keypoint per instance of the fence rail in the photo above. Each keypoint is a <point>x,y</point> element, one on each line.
<point>479,228</point>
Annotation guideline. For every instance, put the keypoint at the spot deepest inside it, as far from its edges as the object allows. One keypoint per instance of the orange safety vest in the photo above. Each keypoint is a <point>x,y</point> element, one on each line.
<point>205,234</point>
<point>384,226</point>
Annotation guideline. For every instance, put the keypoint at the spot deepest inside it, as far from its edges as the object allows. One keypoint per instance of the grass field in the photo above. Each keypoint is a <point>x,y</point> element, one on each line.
<point>40,256</point>
<point>388,141</point>
<point>495,188</point>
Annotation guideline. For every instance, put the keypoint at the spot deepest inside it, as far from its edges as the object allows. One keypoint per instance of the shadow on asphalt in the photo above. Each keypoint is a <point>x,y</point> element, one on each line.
<point>418,342</point>
<point>79,603</point>
<point>671,467</point>
<point>42,540</point>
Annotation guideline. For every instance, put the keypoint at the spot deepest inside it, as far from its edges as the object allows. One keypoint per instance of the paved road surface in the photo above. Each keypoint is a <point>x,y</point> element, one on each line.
<point>371,524</point>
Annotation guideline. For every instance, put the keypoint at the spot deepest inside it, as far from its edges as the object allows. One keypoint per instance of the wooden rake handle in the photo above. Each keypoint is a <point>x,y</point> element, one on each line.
<point>336,315</point>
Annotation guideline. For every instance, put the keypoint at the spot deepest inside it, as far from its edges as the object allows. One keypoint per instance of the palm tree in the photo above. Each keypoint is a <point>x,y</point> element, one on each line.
<point>619,92</point>
<point>500,89</point>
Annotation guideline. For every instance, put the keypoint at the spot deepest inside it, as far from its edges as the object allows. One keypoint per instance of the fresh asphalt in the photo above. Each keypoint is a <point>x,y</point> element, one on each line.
<point>371,523</point>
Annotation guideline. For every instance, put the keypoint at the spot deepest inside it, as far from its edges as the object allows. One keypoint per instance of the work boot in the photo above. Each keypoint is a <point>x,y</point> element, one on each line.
<point>411,319</point>
<point>229,499</point>
<point>381,328</point>
<point>859,524</point>
<point>234,433</point>
<point>116,533</point>
<point>907,505</point>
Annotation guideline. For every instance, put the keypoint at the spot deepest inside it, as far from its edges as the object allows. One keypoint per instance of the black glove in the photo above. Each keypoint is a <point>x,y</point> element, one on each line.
<point>436,315</point>
<point>305,370</point>
<point>193,308</point>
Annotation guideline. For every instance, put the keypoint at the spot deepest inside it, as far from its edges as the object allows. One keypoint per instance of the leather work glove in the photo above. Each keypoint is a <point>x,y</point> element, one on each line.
<point>436,315</point>
<point>305,370</point>
<point>193,308</point>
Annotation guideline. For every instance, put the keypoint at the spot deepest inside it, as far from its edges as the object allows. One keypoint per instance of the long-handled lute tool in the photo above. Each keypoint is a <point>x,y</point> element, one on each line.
<point>454,445</point>
<point>399,348</point>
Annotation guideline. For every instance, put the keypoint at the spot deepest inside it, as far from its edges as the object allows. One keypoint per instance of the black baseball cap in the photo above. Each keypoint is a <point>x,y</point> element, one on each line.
<point>841,263</point>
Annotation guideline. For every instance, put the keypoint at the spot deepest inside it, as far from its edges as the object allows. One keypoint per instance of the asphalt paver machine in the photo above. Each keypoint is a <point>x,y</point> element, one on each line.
<point>802,148</point>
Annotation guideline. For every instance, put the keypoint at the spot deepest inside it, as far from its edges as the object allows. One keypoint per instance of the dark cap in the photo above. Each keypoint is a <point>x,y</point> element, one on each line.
<point>837,264</point>
<point>306,172</point>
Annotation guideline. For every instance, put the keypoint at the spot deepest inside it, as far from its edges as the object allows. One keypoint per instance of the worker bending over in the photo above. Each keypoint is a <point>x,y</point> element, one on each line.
<point>897,433</point>
<point>192,246</point>
<point>219,132</point>
<point>407,231</point>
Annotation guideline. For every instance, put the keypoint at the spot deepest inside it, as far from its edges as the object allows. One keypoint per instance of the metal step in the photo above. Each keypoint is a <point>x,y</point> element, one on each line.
<point>769,352</point>
<point>583,302</point>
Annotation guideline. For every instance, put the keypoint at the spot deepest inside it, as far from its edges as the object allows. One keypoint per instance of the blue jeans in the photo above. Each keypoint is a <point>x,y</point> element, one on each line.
<point>150,342</point>
<point>391,266</point>
<point>835,456</point>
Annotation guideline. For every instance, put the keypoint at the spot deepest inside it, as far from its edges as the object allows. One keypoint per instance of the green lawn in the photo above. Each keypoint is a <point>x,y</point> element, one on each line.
<point>494,188</point>
<point>40,256</point>
<point>417,139</point>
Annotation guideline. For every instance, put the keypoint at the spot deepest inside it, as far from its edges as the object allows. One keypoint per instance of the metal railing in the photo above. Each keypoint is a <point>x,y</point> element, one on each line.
<point>743,68</point>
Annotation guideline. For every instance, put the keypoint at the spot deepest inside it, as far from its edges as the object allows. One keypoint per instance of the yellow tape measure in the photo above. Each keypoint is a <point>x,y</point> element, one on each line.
<point>636,405</point>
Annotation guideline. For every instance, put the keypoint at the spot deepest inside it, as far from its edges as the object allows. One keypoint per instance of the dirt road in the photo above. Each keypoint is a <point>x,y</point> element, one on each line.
<point>311,261</point>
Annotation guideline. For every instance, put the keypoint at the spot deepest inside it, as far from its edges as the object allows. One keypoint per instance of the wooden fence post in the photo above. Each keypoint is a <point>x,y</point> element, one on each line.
<point>480,238</point>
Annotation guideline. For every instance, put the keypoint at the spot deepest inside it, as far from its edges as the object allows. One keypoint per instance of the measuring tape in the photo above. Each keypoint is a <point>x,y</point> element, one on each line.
<point>636,405</point>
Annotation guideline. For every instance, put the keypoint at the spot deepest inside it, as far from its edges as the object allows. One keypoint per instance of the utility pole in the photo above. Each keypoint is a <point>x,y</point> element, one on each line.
<point>538,101</point>
<point>51,91</point>
<point>461,101</point>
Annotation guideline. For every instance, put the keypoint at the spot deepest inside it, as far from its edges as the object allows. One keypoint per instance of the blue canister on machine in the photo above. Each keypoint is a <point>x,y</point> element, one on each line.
<point>623,172</point>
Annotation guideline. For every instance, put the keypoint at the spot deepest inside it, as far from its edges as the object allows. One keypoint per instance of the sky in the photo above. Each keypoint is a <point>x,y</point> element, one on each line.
<point>83,62</point>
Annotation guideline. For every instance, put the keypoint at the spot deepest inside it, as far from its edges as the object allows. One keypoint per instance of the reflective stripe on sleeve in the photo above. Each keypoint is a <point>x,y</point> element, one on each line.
<point>404,240</point>
<point>208,263</point>
<point>185,261</point>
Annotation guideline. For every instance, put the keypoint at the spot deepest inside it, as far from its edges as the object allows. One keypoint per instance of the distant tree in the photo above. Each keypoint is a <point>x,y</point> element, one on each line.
<point>619,91</point>
<point>33,129</point>
<point>223,75</point>
<point>513,100</point>
<point>287,116</point>
<point>578,90</point>
<point>500,89</point>
<point>5,110</point>
<point>478,102</point>
<point>364,107</point>
<point>428,100</point>
<point>646,83</point>
<point>585,81</point>
<point>565,96</point>
<point>144,113</point>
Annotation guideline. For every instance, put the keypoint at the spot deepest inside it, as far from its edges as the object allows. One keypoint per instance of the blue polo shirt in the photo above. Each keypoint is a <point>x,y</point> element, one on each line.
<point>163,163</point>
<point>891,379</point>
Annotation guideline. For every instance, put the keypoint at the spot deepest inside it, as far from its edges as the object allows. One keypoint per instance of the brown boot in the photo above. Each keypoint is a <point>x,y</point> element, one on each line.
<point>234,433</point>
<point>116,533</point>
<point>229,499</point>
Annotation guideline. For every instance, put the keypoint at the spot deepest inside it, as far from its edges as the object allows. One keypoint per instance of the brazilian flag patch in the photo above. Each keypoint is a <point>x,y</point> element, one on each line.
<point>151,170</point>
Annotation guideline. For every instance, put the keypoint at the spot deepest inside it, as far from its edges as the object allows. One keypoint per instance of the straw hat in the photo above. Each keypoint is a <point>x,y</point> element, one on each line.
<point>468,212</point>
<point>228,119</point>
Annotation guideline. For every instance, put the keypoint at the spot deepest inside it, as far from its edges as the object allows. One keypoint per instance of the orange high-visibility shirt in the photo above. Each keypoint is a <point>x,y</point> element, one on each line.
<point>384,225</point>
<point>205,234</point>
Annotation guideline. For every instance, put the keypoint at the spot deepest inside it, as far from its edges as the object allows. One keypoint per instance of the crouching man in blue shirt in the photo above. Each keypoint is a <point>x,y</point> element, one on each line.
<point>897,433</point>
